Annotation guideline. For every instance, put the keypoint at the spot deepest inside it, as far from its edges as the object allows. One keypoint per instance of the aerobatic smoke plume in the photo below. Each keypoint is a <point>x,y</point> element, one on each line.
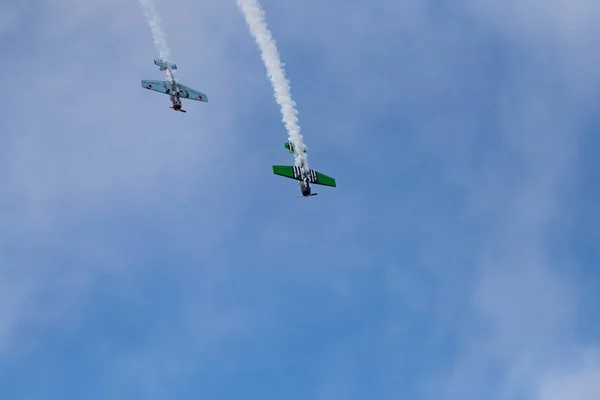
<point>255,18</point>
<point>159,36</point>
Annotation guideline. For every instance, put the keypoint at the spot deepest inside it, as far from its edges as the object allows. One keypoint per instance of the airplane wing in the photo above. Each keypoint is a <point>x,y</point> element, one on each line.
<point>189,93</point>
<point>287,171</point>
<point>157,86</point>
<point>294,172</point>
<point>322,179</point>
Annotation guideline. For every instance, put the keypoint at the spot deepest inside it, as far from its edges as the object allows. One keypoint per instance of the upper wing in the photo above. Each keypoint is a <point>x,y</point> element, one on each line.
<point>189,93</point>
<point>157,86</point>
<point>296,173</point>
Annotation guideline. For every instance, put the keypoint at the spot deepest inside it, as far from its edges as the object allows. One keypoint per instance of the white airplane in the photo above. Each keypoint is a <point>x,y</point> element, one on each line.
<point>171,87</point>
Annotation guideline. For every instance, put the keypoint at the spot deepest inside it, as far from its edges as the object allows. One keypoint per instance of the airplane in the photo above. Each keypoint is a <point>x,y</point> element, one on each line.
<point>305,177</point>
<point>171,87</point>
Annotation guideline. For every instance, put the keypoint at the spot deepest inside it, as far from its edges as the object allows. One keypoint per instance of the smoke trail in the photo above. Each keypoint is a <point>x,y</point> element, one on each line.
<point>159,36</point>
<point>255,18</point>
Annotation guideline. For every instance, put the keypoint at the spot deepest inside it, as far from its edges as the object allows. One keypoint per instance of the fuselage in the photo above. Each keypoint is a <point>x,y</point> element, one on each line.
<point>173,92</point>
<point>176,102</point>
<point>305,187</point>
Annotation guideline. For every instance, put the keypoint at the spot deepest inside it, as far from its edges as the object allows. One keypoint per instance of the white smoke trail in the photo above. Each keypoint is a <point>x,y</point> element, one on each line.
<point>159,36</point>
<point>255,18</point>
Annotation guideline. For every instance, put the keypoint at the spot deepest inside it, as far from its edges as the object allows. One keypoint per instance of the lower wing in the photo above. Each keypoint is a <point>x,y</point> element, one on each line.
<point>191,94</point>
<point>157,86</point>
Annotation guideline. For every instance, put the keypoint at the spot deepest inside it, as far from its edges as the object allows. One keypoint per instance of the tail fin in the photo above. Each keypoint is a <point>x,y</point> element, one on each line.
<point>164,65</point>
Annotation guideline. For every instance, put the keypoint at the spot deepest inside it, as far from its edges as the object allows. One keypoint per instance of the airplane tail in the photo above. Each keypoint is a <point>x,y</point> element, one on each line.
<point>164,65</point>
<point>290,147</point>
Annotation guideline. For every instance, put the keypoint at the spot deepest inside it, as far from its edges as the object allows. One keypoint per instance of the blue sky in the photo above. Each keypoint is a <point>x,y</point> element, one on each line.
<point>150,254</point>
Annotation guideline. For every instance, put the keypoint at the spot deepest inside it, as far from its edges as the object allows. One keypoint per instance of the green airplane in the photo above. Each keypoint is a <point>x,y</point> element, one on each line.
<point>305,178</point>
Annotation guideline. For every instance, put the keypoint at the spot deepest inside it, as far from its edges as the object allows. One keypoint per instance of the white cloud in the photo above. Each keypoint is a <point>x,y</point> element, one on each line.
<point>79,159</point>
<point>9,15</point>
<point>524,301</point>
<point>580,381</point>
<point>538,20</point>
<point>83,144</point>
<point>499,93</point>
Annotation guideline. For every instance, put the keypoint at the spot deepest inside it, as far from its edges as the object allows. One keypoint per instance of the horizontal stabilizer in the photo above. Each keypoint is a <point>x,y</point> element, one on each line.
<point>164,65</point>
<point>294,172</point>
<point>291,148</point>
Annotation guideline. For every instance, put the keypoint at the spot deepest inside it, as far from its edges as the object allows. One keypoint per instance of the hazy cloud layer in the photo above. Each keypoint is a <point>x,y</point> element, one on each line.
<point>148,253</point>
